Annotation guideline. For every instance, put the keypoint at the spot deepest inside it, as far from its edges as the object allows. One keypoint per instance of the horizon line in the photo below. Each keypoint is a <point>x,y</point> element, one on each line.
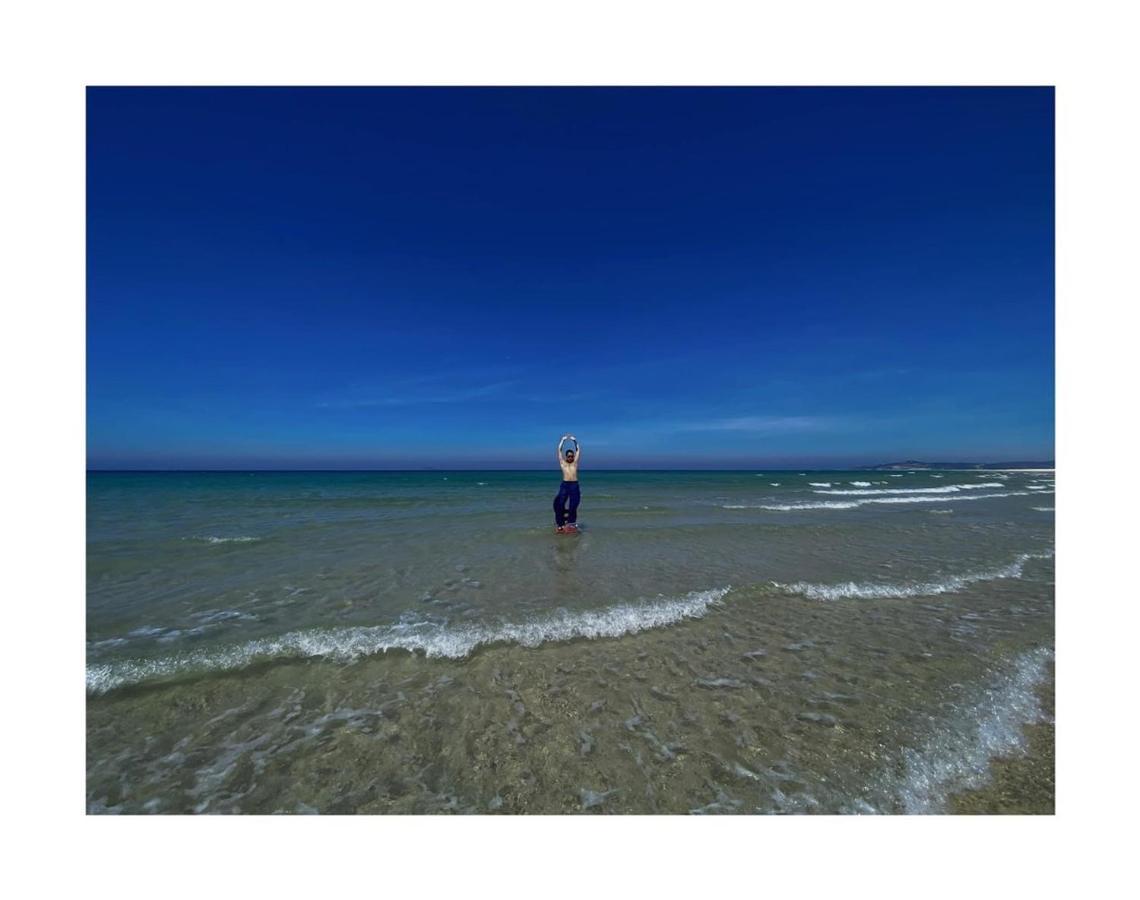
<point>781,467</point>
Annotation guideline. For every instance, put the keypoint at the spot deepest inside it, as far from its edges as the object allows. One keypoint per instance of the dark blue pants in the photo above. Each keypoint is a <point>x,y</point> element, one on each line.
<point>568,492</point>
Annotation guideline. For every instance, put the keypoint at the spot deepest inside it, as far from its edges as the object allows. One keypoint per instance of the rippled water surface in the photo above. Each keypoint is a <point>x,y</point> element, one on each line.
<point>712,642</point>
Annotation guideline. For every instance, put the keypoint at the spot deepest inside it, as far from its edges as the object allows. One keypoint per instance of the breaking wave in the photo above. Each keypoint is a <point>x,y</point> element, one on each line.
<point>211,539</point>
<point>430,638</point>
<point>957,756</point>
<point>851,504</point>
<point>785,507</point>
<point>946,489</point>
<point>874,591</point>
<point>940,499</point>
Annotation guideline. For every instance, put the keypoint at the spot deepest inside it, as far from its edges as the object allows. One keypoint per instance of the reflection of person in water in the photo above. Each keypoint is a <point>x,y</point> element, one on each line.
<point>568,492</point>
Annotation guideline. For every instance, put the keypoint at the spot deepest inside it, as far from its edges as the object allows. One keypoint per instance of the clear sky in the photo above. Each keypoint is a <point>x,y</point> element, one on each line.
<point>396,278</point>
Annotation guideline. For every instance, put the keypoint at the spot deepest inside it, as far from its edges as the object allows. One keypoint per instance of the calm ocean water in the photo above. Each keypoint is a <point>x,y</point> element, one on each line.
<point>732,642</point>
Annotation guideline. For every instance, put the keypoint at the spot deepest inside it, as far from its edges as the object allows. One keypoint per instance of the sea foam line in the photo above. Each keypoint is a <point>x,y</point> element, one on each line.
<point>788,506</point>
<point>943,499</point>
<point>432,639</point>
<point>874,591</point>
<point>851,504</point>
<point>211,539</point>
<point>945,489</point>
<point>957,757</point>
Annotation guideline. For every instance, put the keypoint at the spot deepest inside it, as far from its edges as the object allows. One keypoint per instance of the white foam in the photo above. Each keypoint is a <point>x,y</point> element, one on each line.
<point>860,483</point>
<point>851,504</point>
<point>943,499</point>
<point>213,616</point>
<point>877,591</point>
<point>109,642</point>
<point>207,619</point>
<point>945,489</point>
<point>820,483</point>
<point>957,755</point>
<point>774,483</point>
<point>210,539</point>
<point>1043,508</point>
<point>894,476</point>
<point>787,507</point>
<point>430,638</point>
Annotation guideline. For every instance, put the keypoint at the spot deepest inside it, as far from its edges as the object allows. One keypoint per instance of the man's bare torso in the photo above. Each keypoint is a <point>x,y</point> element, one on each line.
<point>569,466</point>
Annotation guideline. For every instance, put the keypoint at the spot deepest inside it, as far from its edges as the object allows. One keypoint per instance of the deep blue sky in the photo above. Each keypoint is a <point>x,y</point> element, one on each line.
<point>405,277</point>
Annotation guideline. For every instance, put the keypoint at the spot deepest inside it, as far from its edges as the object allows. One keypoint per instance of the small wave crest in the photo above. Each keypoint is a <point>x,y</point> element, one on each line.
<point>851,504</point>
<point>212,539</point>
<point>433,639</point>
<point>941,499</point>
<point>787,507</point>
<point>877,591</point>
<point>946,489</point>
<point>957,757</point>
<point>203,622</point>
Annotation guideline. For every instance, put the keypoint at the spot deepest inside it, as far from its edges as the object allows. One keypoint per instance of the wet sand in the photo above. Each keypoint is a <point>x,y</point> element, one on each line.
<point>768,704</point>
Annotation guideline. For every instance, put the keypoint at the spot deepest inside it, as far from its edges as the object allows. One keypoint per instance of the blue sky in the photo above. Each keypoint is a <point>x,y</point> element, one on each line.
<point>692,277</point>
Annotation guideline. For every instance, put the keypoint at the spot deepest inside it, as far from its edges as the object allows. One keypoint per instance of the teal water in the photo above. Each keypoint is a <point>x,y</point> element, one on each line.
<point>251,625</point>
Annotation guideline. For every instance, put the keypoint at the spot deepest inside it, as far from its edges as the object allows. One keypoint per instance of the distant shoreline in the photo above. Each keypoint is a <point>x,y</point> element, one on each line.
<point>1009,466</point>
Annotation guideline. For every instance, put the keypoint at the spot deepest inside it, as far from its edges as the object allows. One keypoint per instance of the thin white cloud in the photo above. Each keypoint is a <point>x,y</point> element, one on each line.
<point>405,395</point>
<point>751,425</point>
<point>765,424</point>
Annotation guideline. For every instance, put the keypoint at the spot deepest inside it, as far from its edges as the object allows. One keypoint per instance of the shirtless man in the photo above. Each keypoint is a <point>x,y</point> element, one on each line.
<point>568,492</point>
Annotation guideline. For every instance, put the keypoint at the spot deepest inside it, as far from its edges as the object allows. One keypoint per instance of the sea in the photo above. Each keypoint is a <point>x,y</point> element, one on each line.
<point>711,642</point>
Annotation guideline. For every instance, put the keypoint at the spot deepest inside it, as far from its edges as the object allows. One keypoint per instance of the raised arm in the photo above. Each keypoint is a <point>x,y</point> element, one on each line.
<point>558,452</point>
<point>577,448</point>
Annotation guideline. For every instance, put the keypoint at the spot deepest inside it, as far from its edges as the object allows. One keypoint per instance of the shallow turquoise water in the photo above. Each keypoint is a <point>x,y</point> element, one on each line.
<point>224,594</point>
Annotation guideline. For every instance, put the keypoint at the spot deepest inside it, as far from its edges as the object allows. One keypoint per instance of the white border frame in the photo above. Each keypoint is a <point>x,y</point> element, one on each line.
<point>52,52</point>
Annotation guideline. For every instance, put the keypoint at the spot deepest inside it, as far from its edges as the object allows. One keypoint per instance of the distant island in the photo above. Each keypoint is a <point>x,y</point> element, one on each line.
<point>917,464</point>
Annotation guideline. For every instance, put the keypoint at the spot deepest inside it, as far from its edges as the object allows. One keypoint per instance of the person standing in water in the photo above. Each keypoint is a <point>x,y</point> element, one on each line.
<point>568,491</point>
